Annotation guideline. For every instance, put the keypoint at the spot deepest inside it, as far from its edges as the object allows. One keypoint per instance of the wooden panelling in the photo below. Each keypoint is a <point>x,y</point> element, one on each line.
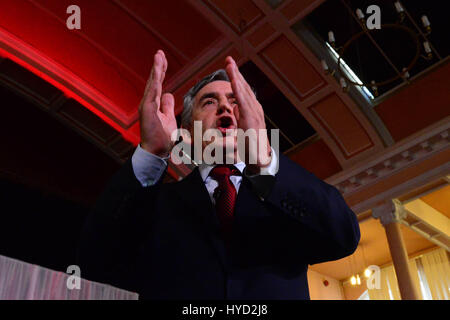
<point>261,34</point>
<point>342,125</point>
<point>165,19</point>
<point>318,159</point>
<point>419,105</point>
<point>290,65</point>
<point>239,14</point>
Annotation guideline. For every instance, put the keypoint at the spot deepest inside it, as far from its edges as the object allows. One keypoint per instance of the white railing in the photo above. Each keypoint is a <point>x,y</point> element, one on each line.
<point>24,281</point>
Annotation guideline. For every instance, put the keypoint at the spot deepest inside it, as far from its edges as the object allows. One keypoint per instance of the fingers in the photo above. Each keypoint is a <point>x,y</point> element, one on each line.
<point>168,104</point>
<point>237,75</point>
<point>230,69</point>
<point>165,65</point>
<point>153,90</point>
<point>241,89</point>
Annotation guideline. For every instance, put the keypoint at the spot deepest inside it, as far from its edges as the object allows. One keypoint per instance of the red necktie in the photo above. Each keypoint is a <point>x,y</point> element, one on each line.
<point>225,196</point>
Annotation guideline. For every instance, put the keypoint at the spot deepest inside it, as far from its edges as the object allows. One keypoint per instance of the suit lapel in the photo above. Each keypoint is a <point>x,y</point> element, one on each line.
<point>195,195</point>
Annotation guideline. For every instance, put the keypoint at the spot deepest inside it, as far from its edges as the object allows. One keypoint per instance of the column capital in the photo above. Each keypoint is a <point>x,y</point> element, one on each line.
<point>389,211</point>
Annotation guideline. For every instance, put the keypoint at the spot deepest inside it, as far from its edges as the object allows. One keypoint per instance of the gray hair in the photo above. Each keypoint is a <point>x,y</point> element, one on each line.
<point>188,102</point>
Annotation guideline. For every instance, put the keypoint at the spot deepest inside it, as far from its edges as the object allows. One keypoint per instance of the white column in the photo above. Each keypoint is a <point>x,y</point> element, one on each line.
<point>390,213</point>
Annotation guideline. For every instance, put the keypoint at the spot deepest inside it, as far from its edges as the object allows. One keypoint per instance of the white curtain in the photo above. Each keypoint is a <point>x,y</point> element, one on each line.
<point>384,291</point>
<point>393,284</point>
<point>430,273</point>
<point>24,281</point>
<point>388,283</point>
<point>436,270</point>
<point>415,276</point>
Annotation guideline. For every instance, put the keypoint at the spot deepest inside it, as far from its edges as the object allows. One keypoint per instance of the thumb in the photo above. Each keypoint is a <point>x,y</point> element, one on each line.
<point>168,104</point>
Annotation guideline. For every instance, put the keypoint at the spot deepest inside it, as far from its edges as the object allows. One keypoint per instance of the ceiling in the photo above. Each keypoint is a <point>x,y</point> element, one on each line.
<point>439,200</point>
<point>105,64</point>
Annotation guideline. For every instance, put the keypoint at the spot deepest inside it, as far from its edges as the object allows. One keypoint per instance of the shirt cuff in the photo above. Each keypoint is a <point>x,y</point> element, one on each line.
<point>270,170</point>
<point>263,183</point>
<point>147,167</point>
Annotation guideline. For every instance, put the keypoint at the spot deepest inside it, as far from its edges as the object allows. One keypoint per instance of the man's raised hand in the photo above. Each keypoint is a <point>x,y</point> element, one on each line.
<point>156,111</point>
<point>251,114</point>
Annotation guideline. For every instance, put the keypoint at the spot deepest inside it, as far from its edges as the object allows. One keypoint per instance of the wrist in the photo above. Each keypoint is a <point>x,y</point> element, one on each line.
<point>160,152</point>
<point>264,161</point>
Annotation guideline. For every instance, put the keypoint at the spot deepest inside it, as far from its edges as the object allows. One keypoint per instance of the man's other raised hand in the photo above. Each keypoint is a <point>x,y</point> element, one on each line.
<point>156,111</point>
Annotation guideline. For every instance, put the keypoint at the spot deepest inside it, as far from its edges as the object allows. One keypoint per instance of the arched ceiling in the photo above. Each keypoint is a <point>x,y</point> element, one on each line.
<point>104,67</point>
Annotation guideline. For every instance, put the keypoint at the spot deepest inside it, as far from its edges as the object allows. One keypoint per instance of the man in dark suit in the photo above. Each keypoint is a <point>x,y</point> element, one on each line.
<point>245,231</point>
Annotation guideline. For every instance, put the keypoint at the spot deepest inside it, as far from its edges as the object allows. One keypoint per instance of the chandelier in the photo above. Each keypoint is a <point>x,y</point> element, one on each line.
<point>423,49</point>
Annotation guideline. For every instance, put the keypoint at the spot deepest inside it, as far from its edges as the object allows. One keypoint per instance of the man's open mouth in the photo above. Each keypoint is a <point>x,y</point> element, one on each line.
<point>225,123</point>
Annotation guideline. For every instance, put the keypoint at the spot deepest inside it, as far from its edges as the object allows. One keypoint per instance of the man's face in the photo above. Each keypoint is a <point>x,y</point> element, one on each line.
<point>216,107</point>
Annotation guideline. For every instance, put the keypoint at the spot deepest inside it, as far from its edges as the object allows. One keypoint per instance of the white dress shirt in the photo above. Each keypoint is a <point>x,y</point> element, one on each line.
<point>149,168</point>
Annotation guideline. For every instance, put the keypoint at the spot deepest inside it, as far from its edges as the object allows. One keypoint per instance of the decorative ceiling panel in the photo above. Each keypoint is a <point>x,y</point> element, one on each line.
<point>291,65</point>
<point>417,106</point>
<point>239,14</point>
<point>342,125</point>
<point>176,23</point>
<point>261,34</point>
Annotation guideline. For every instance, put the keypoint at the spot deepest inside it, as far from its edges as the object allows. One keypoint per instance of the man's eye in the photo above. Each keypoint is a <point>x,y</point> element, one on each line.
<point>209,102</point>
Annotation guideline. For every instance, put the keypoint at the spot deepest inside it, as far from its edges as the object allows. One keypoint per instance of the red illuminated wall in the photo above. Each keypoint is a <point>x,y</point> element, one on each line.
<point>104,65</point>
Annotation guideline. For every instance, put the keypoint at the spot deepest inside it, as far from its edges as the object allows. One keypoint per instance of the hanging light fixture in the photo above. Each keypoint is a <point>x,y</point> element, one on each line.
<point>331,38</point>
<point>347,78</point>
<point>427,47</point>
<point>325,66</point>
<point>401,12</point>
<point>374,88</point>
<point>426,23</point>
<point>344,84</point>
<point>405,73</point>
<point>360,16</point>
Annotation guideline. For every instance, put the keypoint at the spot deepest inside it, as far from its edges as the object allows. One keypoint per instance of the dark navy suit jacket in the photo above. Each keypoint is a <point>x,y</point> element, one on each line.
<point>163,241</point>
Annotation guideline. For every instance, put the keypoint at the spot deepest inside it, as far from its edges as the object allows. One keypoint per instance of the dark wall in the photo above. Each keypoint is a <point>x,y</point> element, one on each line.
<point>39,227</point>
<point>50,176</point>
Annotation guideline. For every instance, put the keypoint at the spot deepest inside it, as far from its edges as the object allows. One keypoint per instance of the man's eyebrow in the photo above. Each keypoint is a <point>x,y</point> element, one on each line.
<point>208,95</point>
<point>214,95</point>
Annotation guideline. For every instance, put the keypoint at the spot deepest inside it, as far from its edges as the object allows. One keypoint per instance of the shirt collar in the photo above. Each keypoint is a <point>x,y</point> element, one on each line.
<point>205,169</point>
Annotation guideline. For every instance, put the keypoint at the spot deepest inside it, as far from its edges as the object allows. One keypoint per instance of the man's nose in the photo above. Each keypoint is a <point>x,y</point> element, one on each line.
<point>225,107</point>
